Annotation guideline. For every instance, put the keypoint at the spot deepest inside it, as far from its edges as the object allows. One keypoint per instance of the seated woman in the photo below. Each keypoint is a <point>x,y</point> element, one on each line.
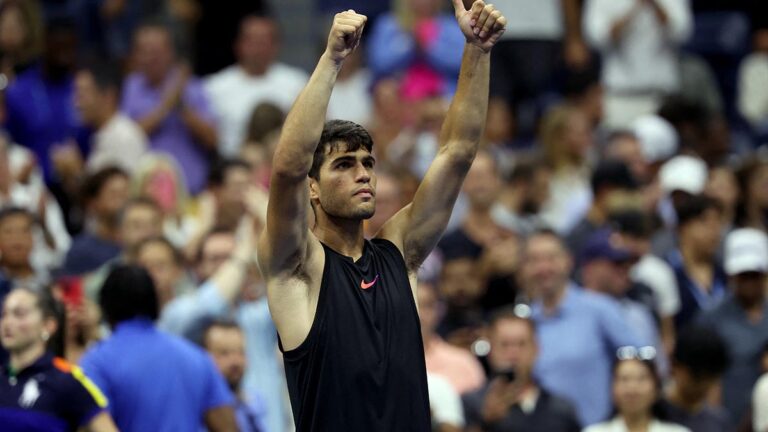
<point>636,392</point>
<point>41,392</point>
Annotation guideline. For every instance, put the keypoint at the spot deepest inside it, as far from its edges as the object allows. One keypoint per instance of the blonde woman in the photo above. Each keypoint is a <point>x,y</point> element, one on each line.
<point>159,178</point>
<point>566,141</point>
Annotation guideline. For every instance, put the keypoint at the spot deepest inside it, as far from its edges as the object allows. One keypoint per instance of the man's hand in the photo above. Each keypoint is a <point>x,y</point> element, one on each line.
<point>345,34</point>
<point>482,24</point>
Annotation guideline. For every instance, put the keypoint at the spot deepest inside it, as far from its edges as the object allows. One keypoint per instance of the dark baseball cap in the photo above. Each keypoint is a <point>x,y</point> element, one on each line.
<point>599,245</point>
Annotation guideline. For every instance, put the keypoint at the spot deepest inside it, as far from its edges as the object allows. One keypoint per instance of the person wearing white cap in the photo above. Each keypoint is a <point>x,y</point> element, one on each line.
<point>742,318</point>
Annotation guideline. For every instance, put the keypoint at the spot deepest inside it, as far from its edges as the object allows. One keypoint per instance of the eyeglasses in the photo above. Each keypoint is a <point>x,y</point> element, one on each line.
<point>636,353</point>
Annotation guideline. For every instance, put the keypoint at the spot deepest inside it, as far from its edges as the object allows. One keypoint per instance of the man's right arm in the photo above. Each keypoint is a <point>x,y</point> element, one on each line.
<point>284,247</point>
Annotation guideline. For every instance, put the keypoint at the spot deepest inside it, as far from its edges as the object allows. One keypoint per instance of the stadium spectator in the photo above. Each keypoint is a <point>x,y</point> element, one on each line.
<point>173,384</point>
<point>701,281</point>
<point>753,198</point>
<point>166,265</point>
<point>478,231</point>
<point>523,194</point>
<point>634,228</point>
<point>636,392</point>
<point>16,242</point>
<point>700,357</point>
<point>542,39</point>
<point>232,287</point>
<point>256,77</point>
<point>117,140</point>
<point>40,391</point>
<point>444,405</point>
<point>21,34</point>
<point>419,44</point>
<point>159,178</point>
<point>513,399</point>
<point>752,95</point>
<point>458,366</point>
<point>630,35</point>
<point>575,329</point>
<point>566,140</point>
<point>614,188</point>
<point>225,342</point>
<point>40,114</point>
<point>170,104</point>
<point>742,318</point>
<point>104,195</point>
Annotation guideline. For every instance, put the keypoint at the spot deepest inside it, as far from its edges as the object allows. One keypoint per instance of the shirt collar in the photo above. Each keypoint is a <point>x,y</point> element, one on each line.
<point>42,363</point>
<point>566,302</point>
<point>138,323</point>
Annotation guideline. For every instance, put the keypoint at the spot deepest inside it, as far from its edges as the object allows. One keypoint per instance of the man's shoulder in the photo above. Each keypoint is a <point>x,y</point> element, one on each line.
<point>228,76</point>
<point>556,405</point>
<point>288,72</point>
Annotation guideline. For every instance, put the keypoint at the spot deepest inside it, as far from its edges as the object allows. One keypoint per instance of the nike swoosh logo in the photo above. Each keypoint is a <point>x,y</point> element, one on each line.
<point>366,285</point>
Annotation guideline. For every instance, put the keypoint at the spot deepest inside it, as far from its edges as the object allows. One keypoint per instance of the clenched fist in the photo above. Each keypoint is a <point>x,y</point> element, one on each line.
<point>482,24</point>
<point>345,34</point>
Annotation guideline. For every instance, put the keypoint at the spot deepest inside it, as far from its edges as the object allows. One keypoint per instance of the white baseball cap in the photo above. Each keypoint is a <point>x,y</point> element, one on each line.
<point>658,138</point>
<point>746,250</point>
<point>684,173</point>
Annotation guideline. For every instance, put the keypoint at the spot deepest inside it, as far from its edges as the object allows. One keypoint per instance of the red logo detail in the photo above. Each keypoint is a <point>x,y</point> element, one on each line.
<point>366,285</point>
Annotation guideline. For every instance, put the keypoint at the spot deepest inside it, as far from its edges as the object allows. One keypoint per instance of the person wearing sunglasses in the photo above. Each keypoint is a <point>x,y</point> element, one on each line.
<point>636,393</point>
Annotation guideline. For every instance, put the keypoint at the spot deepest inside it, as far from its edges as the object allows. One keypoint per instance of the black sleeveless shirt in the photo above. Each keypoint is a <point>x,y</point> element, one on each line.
<point>361,367</point>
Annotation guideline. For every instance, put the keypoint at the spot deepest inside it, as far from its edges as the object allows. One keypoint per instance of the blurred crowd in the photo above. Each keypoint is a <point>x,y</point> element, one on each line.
<point>604,267</point>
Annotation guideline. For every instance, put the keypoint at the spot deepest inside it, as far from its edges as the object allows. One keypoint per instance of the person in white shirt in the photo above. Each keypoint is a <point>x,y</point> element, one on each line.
<point>752,91</point>
<point>636,389</point>
<point>117,139</point>
<point>445,404</point>
<point>256,77</point>
<point>760,405</point>
<point>639,42</point>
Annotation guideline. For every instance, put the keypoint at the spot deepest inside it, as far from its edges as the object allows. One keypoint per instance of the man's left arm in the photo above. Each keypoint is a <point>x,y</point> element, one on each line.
<point>417,228</point>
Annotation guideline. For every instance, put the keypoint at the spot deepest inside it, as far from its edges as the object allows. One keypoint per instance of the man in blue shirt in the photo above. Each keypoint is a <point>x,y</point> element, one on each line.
<point>39,103</point>
<point>155,381</point>
<point>742,318</point>
<point>578,331</point>
<point>225,342</point>
<point>701,281</point>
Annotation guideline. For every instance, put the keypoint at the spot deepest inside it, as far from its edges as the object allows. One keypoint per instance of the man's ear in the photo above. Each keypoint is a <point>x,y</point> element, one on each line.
<point>314,189</point>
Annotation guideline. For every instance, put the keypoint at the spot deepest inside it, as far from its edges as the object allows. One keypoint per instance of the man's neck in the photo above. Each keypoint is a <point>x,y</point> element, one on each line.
<point>254,70</point>
<point>345,236</point>
<point>693,255</point>
<point>19,271</point>
<point>754,308</point>
<point>108,114</point>
<point>675,398</point>
<point>105,231</point>
<point>23,359</point>
<point>553,301</point>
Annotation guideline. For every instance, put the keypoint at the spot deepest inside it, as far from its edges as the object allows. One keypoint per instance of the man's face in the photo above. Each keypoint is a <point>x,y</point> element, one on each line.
<point>750,286</point>
<point>231,194</point>
<point>139,223</point>
<point>160,262</point>
<point>513,346</point>
<point>428,308</point>
<point>606,276</point>
<point>257,45</point>
<point>705,231</point>
<point>217,249</point>
<point>111,198</point>
<point>545,267</point>
<point>460,283</point>
<point>153,53</point>
<point>16,240</point>
<point>89,99</point>
<point>692,388</point>
<point>537,191</point>
<point>627,149</point>
<point>482,183</point>
<point>346,187</point>
<point>227,347</point>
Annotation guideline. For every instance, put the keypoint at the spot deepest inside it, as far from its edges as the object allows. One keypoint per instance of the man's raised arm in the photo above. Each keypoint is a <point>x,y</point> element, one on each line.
<point>418,227</point>
<point>284,246</point>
